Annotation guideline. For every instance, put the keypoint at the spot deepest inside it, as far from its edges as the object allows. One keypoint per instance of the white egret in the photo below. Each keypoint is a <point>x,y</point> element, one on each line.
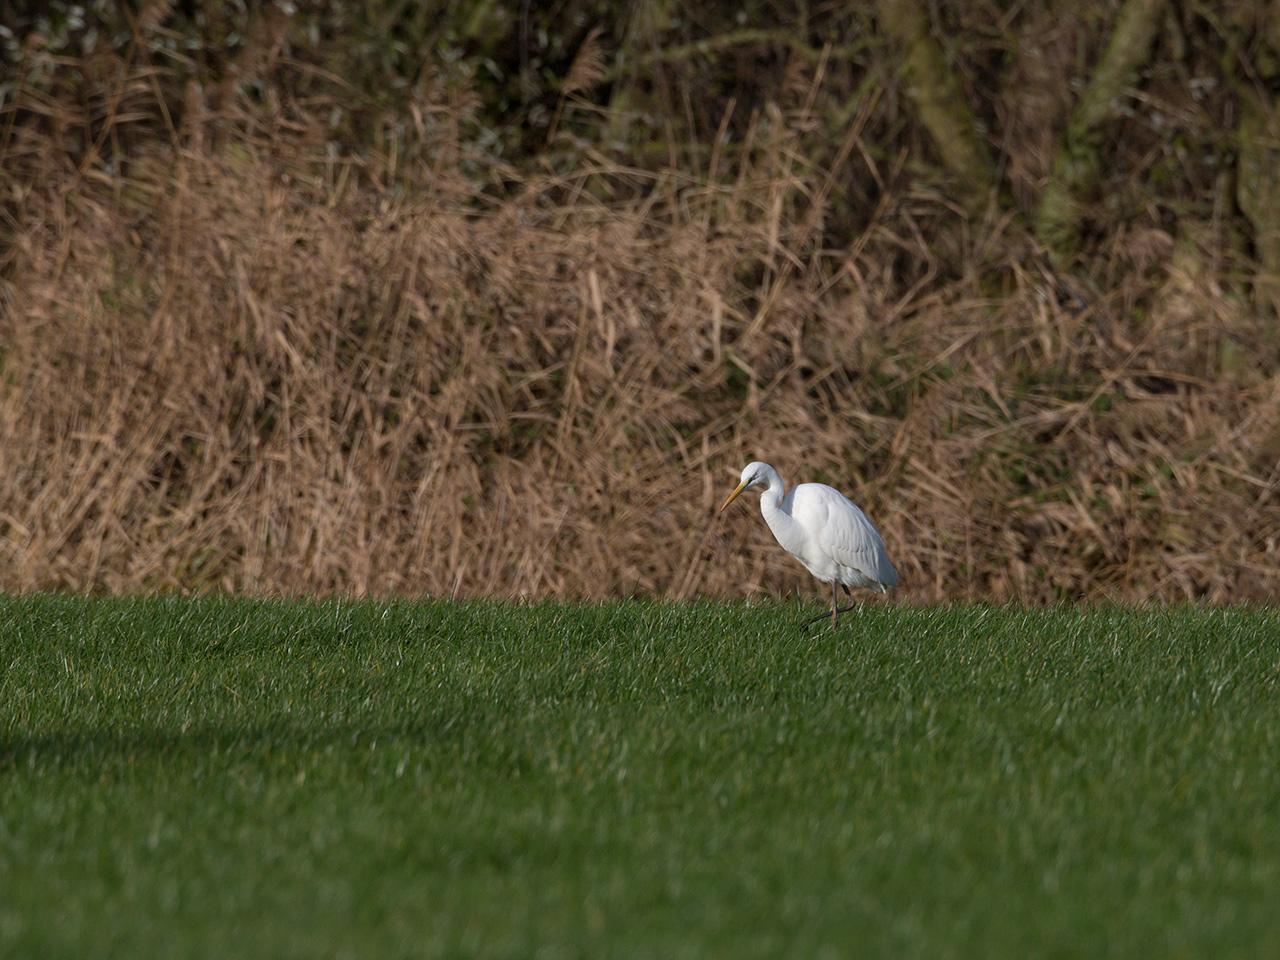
<point>824,530</point>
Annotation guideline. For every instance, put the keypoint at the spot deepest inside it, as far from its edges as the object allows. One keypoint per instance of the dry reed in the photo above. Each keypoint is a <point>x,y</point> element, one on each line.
<point>241,362</point>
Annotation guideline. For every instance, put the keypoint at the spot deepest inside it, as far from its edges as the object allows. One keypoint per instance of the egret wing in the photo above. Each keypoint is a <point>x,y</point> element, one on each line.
<point>841,529</point>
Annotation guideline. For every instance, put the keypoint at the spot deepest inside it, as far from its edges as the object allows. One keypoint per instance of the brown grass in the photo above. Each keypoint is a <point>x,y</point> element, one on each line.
<point>238,361</point>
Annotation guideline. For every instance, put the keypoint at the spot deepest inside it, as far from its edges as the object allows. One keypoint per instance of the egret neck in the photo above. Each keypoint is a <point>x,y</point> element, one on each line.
<point>773,505</point>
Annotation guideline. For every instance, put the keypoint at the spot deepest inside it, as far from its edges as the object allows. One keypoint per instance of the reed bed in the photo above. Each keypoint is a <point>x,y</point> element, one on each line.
<point>234,357</point>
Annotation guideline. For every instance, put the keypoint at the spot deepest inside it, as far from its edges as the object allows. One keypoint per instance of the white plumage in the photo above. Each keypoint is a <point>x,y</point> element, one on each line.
<point>824,530</point>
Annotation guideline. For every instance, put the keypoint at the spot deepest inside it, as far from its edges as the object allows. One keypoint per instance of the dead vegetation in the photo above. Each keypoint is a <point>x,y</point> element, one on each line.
<point>232,357</point>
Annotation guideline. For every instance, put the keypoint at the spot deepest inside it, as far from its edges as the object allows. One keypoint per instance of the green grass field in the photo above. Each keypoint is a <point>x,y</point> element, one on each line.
<point>217,778</point>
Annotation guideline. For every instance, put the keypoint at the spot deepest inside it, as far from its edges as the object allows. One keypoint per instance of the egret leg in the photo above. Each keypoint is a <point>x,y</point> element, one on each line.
<point>855,605</point>
<point>831,615</point>
<point>835,611</point>
<point>812,620</point>
<point>822,616</point>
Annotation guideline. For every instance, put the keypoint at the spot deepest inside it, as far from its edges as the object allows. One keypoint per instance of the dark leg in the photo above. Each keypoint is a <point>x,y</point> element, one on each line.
<point>812,620</point>
<point>822,616</point>
<point>855,605</point>
<point>835,612</point>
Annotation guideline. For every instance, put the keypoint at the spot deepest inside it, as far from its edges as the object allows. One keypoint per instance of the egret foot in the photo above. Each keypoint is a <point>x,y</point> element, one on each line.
<point>835,611</point>
<point>833,615</point>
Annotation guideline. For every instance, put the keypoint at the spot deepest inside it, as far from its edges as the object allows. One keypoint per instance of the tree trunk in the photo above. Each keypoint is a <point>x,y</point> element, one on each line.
<point>1258,165</point>
<point>1077,166</point>
<point>937,96</point>
<point>1258,191</point>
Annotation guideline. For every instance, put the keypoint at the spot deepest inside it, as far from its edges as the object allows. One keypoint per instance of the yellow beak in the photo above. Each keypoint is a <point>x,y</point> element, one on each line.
<point>733,496</point>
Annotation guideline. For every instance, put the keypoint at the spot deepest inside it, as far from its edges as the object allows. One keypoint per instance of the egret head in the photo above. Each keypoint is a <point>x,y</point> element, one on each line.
<point>754,474</point>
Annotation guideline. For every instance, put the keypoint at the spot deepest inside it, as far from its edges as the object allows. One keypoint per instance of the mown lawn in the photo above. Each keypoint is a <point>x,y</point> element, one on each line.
<point>218,778</point>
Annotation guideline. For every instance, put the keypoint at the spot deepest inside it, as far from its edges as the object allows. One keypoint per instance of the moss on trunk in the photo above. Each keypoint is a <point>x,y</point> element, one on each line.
<point>936,94</point>
<point>1077,166</point>
<point>1258,168</point>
